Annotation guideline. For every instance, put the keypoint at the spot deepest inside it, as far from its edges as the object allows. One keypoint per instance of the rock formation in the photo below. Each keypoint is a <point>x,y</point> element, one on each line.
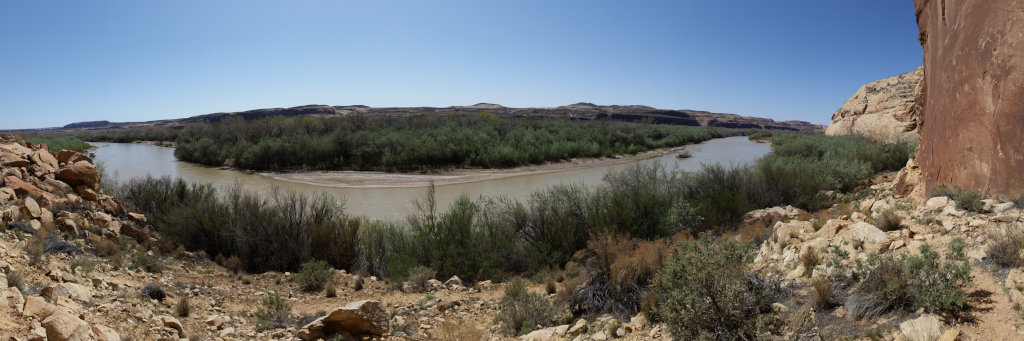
<point>974,94</point>
<point>886,109</point>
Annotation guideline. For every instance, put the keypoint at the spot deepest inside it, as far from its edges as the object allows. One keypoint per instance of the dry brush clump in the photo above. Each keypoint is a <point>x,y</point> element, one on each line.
<point>522,310</point>
<point>888,220</point>
<point>1005,248</point>
<point>617,271</point>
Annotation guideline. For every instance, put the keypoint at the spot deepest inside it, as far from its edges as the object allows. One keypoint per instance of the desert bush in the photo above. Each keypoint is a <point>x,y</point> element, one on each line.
<point>232,263</point>
<point>16,280</point>
<point>823,293</point>
<point>314,275</point>
<point>330,289</point>
<point>147,263</point>
<point>810,259</point>
<point>53,244</point>
<point>275,313</point>
<point>182,308</point>
<point>619,270</point>
<point>105,247</point>
<point>153,292</point>
<point>549,286</point>
<point>1004,249</point>
<point>418,277</point>
<point>709,293</point>
<point>888,220</point>
<point>357,284</point>
<point>521,310</point>
<point>34,249</point>
<point>912,282</point>
<point>965,199</point>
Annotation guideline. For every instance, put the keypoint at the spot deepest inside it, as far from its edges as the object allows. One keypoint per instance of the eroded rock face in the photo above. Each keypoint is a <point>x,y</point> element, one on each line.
<point>974,94</point>
<point>886,110</point>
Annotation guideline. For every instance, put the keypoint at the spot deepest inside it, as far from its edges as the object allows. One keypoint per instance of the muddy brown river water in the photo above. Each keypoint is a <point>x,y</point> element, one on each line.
<point>390,196</point>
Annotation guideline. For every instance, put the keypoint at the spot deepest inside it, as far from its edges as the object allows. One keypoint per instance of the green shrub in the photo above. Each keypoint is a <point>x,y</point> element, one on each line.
<point>147,263</point>
<point>710,293</point>
<point>418,277</point>
<point>522,310</point>
<point>275,313</point>
<point>314,275</point>
<point>965,199</point>
<point>912,282</point>
<point>34,248</point>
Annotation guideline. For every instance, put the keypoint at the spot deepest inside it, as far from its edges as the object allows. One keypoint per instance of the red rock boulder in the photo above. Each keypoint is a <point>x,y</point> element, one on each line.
<point>81,173</point>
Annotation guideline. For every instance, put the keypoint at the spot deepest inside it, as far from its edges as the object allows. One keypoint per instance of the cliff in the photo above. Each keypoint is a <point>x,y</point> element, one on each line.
<point>886,109</point>
<point>974,94</point>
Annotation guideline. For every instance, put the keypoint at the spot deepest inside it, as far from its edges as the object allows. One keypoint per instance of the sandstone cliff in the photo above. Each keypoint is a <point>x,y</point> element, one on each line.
<point>974,94</point>
<point>886,109</point>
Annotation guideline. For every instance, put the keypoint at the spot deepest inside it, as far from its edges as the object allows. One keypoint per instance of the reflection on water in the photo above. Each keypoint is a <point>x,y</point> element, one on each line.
<point>125,161</point>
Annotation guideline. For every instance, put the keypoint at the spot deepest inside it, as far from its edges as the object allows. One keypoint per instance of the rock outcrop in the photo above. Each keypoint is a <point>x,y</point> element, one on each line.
<point>974,94</point>
<point>362,318</point>
<point>886,110</point>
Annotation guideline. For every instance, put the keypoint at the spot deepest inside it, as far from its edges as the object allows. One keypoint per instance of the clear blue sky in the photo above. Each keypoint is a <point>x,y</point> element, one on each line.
<point>70,61</point>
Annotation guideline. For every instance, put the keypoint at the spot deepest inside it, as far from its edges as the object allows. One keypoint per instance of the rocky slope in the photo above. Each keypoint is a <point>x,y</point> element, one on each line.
<point>578,111</point>
<point>887,109</point>
<point>974,85</point>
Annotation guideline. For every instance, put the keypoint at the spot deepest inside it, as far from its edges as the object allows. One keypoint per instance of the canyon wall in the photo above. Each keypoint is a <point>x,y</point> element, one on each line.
<point>886,109</point>
<point>973,124</point>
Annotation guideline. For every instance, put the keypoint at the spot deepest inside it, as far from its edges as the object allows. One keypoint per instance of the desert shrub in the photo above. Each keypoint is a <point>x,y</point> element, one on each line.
<point>1004,249</point>
<point>888,220</point>
<point>521,310</point>
<point>619,270</point>
<point>823,293</point>
<point>34,249</point>
<point>146,262</point>
<point>418,277</point>
<point>965,199</point>
<point>105,247</point>
<point>314,275</point>
<point>810,259</point>
<point>275,313</point>
<point>549,286</point>
<point>16,280</point>
<point>330,289</point>
<point>232,263</point>
<point>710,293</point>
<point>153,292</point>
<point>911,282</point>
<point>357,284</point>
<point>182,308</point>
<point>634,201</point>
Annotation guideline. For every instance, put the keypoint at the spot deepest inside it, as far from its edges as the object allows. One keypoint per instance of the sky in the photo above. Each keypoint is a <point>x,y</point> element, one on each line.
<point>140,60</point>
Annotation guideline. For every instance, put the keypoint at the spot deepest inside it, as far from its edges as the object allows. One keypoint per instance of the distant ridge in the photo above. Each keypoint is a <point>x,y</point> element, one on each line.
<point>579,111</point>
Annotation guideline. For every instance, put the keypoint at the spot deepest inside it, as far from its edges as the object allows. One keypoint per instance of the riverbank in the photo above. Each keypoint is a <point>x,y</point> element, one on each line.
<point>358,179</point>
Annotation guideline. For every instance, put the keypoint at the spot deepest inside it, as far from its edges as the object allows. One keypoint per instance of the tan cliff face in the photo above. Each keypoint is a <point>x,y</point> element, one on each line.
<point>973,129</point>
<point>886,109</point>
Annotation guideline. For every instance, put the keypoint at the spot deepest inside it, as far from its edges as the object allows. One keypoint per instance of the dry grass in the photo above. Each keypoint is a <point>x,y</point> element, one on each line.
<point>1004,248</point>
<point>810,259</point>
<point>182,309</point>
<point>756,232</point>
<point>823,293</point>
<point>550,286</point>
<point>233,263</point>
<point>888,220</point>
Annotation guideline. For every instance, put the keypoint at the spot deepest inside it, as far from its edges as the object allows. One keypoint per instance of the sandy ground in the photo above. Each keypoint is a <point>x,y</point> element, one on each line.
<point>356,179</point>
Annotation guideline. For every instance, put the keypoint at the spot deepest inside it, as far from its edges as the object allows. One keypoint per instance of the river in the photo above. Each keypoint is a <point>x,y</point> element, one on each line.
<point>124,161</point>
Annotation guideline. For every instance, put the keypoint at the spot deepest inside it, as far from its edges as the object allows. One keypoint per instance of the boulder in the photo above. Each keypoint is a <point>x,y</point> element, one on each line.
<point>22,188</point>
<point>874,239</point>
<point>87,193</point>
<point>974,94</point>
<point>924,328</point>
<point>44,160</point>
<point>540,335</point>
<point>937,204</point>
<point>70,156</point>
<point>362,318</point>
<point>111,205</point>
<point>82,173</point>
<point>104,333</point>
<point>173,323</point>
<point>30,208</point>
<point>64,325</point>
<point>13,161</point>
<point>885,110</point>
<point>453,283</point>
